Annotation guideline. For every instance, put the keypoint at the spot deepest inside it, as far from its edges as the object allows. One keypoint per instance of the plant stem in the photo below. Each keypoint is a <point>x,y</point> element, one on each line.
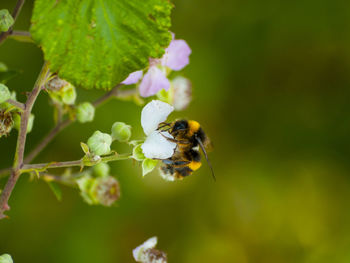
<point>21,140</point>
<point>112,93</point>
<point>27,168</point>
<point>22,36</point>
<point>15,14</point>
<point>63,124</point>
<point>17,104</point>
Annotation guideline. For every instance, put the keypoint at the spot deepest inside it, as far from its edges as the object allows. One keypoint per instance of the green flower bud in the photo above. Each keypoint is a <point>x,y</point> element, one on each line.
<point>17,122</point>
<point>101,170</point>
<point>137,153</point>
<point>6,123</point>
<point>61,91</point>
<point>6,258</point>
<point>106,190</point>
<point>68,94</point>
<point>121,132</point>
<point>85,112</point>
<point>5,94</point>
<point>148,165</point>
<point>6,20</point>
<point>100,143</point>
<point>3,67</point>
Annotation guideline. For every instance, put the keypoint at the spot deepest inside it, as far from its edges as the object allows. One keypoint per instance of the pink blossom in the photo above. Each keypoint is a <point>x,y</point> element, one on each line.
<point>176,57</point>
<point>133,78</point>
<point>153,81</point>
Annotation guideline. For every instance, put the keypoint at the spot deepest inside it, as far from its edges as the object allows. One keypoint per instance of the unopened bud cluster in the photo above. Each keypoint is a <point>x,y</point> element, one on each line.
<point>10,116</point>
<point>98,187</point>
<point>61,91</point>
<point>6,123</point>
<point>100,143</point>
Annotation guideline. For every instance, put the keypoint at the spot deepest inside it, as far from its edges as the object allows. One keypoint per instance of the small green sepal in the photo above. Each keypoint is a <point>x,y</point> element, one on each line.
<point>148,165</point>
<point>137,153</point>
<point>85,148</point>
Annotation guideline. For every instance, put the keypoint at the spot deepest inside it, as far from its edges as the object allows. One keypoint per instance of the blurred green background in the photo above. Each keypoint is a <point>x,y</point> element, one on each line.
<point>271,88</point>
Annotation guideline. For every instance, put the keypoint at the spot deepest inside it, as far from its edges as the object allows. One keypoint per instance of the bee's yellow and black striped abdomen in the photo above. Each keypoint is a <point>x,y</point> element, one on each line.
<point>194,165</point>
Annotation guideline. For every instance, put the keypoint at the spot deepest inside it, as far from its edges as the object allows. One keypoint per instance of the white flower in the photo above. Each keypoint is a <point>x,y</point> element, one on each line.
<point>156,146</point>
<point>149,243</point>
<point>146,252</point>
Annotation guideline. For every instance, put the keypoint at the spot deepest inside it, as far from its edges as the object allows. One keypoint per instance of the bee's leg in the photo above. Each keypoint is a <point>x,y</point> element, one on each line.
<point>176,141</point>
<point>164,124</point>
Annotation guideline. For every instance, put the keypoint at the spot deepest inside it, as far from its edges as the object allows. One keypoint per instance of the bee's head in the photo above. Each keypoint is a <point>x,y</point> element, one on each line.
<point>180,125</point>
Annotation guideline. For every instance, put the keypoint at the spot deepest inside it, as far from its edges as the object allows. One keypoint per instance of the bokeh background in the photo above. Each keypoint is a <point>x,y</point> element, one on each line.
<point>271,88</point>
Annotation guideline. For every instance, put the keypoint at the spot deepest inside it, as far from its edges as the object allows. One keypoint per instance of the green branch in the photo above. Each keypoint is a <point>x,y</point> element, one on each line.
<point>40,167</point>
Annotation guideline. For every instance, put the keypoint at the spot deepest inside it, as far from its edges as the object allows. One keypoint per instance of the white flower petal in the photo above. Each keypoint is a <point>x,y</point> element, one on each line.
<point>156,146</point>
<point>153,114</point>
<point>150,243</point>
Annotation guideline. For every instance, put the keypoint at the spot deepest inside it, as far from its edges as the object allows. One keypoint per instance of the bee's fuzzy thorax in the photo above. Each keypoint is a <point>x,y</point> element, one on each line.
<point>193,126</point>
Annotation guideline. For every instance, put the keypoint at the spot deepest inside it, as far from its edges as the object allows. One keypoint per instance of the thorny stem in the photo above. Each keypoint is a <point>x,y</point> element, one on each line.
<point>15,14</point>
<point>21,140</point>
<point>27,168</point>
<point>17,104</point>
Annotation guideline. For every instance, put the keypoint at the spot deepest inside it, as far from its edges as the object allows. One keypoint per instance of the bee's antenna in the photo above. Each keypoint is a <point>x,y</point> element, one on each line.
<point>206,157</point>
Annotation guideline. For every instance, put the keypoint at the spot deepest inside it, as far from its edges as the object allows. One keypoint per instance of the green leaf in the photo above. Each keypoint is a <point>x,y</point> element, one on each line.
<point>97,43</point>
<point>7,75</point>
<point>56,190</point>
<point>148,165</point>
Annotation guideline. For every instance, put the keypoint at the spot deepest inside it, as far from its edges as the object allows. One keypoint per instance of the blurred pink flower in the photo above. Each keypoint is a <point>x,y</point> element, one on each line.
<point>176,57</point>
<point>153,81</point>
<point>133,78</point>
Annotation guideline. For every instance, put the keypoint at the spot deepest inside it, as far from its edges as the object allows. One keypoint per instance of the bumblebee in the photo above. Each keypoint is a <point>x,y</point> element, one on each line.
<point>189,137</point>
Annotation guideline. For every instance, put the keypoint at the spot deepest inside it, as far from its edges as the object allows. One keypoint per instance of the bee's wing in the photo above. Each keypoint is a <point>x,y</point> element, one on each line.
<point>208,144</point>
